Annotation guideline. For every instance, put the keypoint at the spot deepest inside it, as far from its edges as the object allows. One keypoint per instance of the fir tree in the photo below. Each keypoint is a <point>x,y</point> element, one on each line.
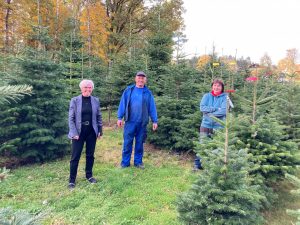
<point>223,193</point>
<point>287,110</point>
<point>180,82</point>
<point>11,93</point>
<point>35,128</point>
<point>159,51</point>
<point>178,109</point>
<point>271,154</point>
<point>73,57</point>
<point>262,135</point>
<point>178,122</point>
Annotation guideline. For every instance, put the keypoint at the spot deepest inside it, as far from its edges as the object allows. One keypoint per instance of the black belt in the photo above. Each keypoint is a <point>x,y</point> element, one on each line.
<point>86,123</point>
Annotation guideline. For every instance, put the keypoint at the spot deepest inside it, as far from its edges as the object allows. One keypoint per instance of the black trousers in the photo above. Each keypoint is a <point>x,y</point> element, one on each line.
<point>88,137</point>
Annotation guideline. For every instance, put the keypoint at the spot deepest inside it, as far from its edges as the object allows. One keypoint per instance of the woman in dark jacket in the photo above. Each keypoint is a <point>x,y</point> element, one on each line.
<point>85,126</point>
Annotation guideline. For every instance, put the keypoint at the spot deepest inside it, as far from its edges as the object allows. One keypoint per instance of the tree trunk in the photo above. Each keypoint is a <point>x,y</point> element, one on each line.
<point>89,33</point>
<point>39,47</point>
<point>7,27</point>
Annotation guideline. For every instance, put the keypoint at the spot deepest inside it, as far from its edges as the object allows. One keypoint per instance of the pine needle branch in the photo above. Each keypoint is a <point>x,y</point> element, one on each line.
<point>14,93</point>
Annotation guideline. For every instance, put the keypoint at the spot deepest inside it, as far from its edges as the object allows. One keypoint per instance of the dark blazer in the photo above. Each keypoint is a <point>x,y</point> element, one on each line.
<point>75,116</point>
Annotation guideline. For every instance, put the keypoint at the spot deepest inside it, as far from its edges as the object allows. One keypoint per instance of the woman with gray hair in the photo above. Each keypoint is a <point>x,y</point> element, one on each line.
<point>85,126</point>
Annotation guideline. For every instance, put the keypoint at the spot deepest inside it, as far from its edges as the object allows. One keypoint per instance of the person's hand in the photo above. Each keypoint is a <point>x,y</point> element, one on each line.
<point>154,126</point>
<point>75,137</point>
<point>99,136</point>
<point>120,123</point>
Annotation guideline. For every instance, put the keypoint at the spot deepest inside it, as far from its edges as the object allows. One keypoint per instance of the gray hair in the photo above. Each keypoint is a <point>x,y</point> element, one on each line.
<point>86,82</point>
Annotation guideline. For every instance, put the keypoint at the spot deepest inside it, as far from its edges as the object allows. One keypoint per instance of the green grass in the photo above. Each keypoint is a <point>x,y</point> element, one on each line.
<point>122,196</point>
<point>277,214</point>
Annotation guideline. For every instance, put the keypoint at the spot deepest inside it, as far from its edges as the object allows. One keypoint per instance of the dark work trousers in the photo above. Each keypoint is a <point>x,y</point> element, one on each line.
<point>138,131</point>
<point>88,136</point>
<point>204,134</point>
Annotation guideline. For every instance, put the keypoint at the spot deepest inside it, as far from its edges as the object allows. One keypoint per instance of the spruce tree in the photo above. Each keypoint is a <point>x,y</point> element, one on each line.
<point>178,124</point>
<point>287,110</point>
<point>178,109</point>
<point>262,135</point>
<point>271,154</point>
<point>11,93</point>
<point>223,193</point>
<point>159,51</point>
<point>72,56</point>
<point>35,128</point>
<point>181,82</point>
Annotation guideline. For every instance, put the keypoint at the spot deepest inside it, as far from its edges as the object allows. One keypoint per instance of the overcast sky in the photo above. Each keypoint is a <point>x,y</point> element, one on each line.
<point>253,27</point>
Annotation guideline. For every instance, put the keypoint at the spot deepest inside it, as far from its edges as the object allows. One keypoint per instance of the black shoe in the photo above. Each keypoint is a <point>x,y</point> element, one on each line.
<point>92,180</point>
<point>71,186</point>
<point>140,166</point>
<point>197,168</point>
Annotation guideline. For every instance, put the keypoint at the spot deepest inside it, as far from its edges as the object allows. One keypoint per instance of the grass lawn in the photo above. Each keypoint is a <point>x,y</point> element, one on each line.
<point>122,196</point>
<point>277,214</point>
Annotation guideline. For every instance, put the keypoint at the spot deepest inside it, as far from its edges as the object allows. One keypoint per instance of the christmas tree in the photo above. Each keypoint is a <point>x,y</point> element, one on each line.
<point>223,193</point>
<point>35,128</point>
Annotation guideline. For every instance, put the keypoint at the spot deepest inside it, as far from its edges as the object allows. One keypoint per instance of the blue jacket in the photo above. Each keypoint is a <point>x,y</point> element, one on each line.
<point>213,106</point>
<point>75,116</point>
<point>149,107</point>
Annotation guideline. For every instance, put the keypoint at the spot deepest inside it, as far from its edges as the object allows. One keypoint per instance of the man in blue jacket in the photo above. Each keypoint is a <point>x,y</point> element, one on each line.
<point>136,106</point>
